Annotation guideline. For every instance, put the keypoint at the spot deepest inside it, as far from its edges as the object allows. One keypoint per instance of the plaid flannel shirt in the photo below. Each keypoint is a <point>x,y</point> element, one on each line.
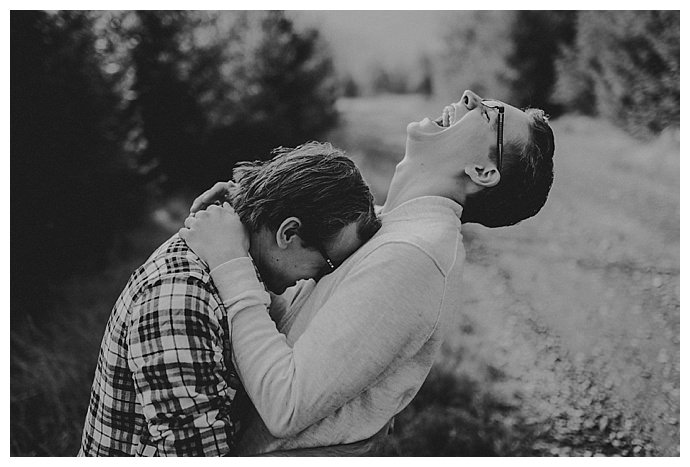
<point>163,379</point>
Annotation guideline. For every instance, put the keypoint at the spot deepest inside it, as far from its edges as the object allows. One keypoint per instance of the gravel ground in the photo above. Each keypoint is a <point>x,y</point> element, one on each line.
<point>576,310</point>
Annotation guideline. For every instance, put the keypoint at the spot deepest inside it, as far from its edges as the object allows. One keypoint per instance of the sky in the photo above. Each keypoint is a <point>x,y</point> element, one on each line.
<point>360,40</point>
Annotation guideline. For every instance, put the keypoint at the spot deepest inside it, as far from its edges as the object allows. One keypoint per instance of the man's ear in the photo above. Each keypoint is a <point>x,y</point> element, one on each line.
<point>288,232</point>
<point>483,176</point>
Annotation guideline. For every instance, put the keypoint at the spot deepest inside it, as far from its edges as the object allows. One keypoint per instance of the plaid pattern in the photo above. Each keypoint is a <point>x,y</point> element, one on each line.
<point>164,382</point>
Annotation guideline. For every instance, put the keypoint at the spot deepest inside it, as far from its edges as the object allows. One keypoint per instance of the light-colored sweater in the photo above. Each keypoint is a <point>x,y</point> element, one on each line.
<point>351,352</point>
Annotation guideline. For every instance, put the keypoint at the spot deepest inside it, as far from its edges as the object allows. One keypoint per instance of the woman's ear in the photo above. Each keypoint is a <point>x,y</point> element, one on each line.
<point>483,176</point>
<point>288,232</point>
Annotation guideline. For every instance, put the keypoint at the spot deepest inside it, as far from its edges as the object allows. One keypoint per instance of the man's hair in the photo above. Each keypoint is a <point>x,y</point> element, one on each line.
<point>314,182</point>
<point>526,178</point>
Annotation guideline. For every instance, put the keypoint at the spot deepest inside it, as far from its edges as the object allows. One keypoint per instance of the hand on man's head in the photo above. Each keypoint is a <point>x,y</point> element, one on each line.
<point>217,194</point>
<point>216,234</point>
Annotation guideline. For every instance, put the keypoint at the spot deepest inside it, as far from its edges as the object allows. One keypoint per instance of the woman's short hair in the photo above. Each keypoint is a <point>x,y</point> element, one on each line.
<point>526,178</point>
<point>314,182</point>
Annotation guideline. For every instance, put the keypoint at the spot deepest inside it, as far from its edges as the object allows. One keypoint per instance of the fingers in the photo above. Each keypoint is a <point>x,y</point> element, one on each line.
<point>209,212</point>
<point>217,209</point>
<point>217,192</point>
<point>197,205</point>
<point>214,209</point>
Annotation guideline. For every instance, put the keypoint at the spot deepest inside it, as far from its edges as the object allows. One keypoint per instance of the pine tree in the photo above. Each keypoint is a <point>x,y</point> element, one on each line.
<point>625,66</point>
<point>72,191</point>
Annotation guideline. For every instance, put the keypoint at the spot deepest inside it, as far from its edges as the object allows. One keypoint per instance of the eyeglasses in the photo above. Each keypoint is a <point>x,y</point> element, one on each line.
<point>328,261</point>
<point>498,106</point>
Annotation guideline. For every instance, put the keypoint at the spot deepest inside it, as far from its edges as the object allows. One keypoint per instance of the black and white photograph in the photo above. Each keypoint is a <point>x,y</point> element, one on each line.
<point>345,233</point>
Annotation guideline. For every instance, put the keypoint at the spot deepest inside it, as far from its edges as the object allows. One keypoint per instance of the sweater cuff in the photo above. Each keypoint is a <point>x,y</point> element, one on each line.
<point>239,286</point>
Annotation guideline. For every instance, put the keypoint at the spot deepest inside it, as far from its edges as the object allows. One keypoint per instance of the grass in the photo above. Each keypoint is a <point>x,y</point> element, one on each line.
<point>53,358</point>
<point>50,381</point>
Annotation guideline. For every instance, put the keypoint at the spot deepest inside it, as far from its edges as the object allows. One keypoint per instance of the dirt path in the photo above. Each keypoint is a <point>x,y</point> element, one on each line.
<point>577,309</point>
<point>593,285</point>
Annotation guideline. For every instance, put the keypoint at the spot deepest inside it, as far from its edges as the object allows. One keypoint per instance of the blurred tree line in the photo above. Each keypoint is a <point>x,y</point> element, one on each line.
<point>110,110</point>
<point>621,65</point>
<point>400,81</point>
<point>386,79</point>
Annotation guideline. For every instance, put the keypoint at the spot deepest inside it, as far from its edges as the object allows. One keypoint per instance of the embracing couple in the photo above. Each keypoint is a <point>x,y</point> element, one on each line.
<point>217,346</point>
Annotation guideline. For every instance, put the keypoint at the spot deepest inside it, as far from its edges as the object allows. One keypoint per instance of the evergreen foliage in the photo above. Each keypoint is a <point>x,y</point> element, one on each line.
<point>622,65</point>
<point>72,190</point>
<point>537,38</point>
<point>625,66</point>
<point>209,96</point>
<point>109,109</point>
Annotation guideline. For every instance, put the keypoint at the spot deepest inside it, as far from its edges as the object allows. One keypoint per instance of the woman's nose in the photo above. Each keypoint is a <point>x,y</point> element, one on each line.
<point>470,100</point>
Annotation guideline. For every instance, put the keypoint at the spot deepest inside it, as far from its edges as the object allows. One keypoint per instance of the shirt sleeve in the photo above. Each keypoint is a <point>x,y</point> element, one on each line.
<point>176,357</point>
<point>379,315</point>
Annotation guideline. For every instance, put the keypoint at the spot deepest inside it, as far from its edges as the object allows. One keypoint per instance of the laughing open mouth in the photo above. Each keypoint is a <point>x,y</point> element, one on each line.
<point>447,118</point>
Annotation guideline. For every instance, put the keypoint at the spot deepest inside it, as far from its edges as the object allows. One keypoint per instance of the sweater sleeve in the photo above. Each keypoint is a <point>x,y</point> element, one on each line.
<point>383,310</point>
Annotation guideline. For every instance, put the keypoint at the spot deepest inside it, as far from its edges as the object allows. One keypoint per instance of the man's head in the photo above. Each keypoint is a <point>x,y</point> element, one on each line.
<point>464,142</point>
<point>307,209</point>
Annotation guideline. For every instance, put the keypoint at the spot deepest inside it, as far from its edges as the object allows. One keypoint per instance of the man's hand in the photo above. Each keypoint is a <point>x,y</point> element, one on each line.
<point>216,235</point>
<point>217,194</point>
